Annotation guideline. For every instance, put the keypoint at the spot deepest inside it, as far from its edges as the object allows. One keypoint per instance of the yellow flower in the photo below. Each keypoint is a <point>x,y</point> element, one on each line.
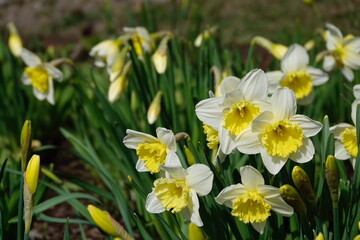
<point>252,200</point>
<point>32,173</point>
<point>320,236</point>
<point>211,137</point>
<point>141,40</point>
<point>107,223</point>
<point>155,108</point>
<point>15,43</point>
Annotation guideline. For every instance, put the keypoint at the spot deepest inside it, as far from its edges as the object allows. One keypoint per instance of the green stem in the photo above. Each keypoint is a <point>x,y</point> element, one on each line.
<point>336,222</point>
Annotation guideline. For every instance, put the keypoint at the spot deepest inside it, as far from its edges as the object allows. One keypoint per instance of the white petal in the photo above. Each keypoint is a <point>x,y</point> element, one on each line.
<point>329,63</point>
<point>133,138</point>
<point>229,84</point>
<point>305,153</point>
<point>232,97</point>
<point>39,95</point>
<point>227,141</point>
<point>259,226</point>
<point>248,142</point>
<point>318,76</point>
<point>339,128</point>
<point>353,44</point>
<point>272,197</point>
<point>25,79</point>
<point>309,126</point>
<point>176,172</point>
<point>209,111</point>
<point>283,103</point>
<point>166,137</point>
<point>50,95</point>
<point>172,159</point>
<point>191,212</point>
<point>153,205</point>
<point>348,74</point>
<point>296,58</point>
<point>351,59</point>
<point>200,178</point>
<point>254,85</point>
<point>228,194</point>
<point>274,79</point>
<point>332,41</point>
<point>334,30</point>
<point>272,163</point>
<point>356,91</point>
<point>140,166</point>
<point>261,121</point>
<point>251,178</point>
<point>306,100</point>
<point>54,72</point>
<point>353,110</point>
<point>340,151</point>
<point>30,58</point>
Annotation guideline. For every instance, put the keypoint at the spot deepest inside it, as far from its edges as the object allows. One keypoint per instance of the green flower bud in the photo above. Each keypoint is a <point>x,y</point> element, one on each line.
<point>332,178</point>
<point>303,184</point>
<point>292,197</point>
<point>25,143</point>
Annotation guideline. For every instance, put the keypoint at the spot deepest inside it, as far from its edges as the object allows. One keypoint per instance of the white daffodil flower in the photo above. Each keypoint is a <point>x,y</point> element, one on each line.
<point>152,151</point>
<point>279,134</point>
<point>105,52</point>
<point>297,75</point>
<point>346,146</point>
<point>141,40</point>
<point>233,112</point>
<point>356,91</point>
<point>344,52</point>
<point>178,193</point>
<point>252,200</point>
<point>40,75</point>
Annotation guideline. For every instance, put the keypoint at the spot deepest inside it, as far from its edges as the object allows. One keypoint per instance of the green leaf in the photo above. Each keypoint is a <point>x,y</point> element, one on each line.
<point>67,233</point>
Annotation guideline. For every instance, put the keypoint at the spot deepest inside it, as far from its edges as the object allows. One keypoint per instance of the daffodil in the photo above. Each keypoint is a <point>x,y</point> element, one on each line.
<point>297,75</point>
<point>280,134</point>
<point>141,40</point>
<point>154,108</point>
<point>178,192</point>
<point>159,58</point>
<point>204,35</point>
<point>15,42</point>
<point>211,137</point>
<point>346,146</point>
<point>105,52</point>
<point>233,112</point>
<point>343,52</point>
<point>153,152</point>
<point>252,201</point>
<point>356,91</point>
<point>40,75</point>
<point>119,84</point>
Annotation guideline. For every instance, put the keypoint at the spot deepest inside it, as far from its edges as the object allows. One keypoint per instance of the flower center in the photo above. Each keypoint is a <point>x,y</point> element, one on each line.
<point>153,154</point>
<point>282,138</point>
<point>239,116</point>
<point>251,207</point>
<point>211,137</point>
<point>349,139</point>
<point>173,194</point>
<point>338,54</point>
<point>300,82</point>
<point>39,78</point>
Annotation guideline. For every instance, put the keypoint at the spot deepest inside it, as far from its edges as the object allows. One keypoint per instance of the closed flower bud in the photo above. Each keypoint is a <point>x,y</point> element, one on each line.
<point>118,86</point>
<point>189,156</point>
<point>15,43</point>
<point>32,173</point>
<point>332,178</point>
<point>155,108</point>
<point>195,232</point>
<point>277,50</point>
<point>303,184</point>
<point>25,142</point>
<point>104,221</point>
<point>159,58</point>
<point>320,236</point>
<point>292,197</point>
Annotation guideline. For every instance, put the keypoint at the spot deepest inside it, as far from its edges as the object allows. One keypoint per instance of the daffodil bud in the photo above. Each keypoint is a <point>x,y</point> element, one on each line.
<point>204,35</point>
<point>28,205</point>
<point>15,43</point>
<point>118,66</point>
<point>159,58</point>
<point>118,86</point>
<point>32,173</point>
<point>277,50</point>
<point>182,136</point>
<point>109,225</point>
<point>217,80</point>
<point>155,108</point>
<point>134,101</point>
<point>189,156</point>
<point>302,182</point>
<point>292,197</point>
<point>332,178</point>
<point>320,236</point>
<point>357,237</point>
<point>195,232</point>
<point>309,45</point>
<point>25,142</point>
